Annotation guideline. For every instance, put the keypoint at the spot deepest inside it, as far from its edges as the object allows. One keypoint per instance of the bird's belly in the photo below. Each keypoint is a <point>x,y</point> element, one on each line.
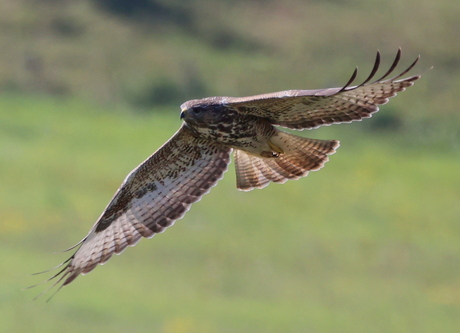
<point>250,143</point>
<point>248,133</point>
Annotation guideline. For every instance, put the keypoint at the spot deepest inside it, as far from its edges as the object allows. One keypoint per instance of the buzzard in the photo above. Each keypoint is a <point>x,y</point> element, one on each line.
<point>162,188</point>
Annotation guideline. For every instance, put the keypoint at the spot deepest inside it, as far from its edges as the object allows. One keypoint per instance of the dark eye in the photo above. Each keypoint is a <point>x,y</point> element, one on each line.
<point>196,110</point>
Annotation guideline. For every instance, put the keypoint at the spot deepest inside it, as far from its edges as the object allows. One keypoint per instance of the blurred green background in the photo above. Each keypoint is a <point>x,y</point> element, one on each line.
<point>371,243</point>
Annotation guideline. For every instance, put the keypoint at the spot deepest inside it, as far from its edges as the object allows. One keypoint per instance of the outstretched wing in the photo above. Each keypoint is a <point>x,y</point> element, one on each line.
<point>307,109</point>
<point>151,198</point>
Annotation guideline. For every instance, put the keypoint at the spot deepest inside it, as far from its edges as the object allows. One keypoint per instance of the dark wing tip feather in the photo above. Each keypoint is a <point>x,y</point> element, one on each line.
<point>61,274</point>
<point>355,73</point>
<point>407,70</point>
<point>383,78</point>
<point>392,67</point>
<point>52,269</point>
<point>374,69</point>
<point>350,81</point>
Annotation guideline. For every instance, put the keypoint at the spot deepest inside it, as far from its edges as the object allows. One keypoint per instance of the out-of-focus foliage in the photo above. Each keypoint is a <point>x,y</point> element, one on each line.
<point>122,51</point>
<point>368,244</point>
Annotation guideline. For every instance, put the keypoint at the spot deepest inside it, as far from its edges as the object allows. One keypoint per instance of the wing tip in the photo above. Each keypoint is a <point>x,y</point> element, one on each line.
<point>383,78</point>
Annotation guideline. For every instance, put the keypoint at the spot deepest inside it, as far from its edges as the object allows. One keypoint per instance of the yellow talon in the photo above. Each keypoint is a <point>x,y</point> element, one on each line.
<point>275,148</point>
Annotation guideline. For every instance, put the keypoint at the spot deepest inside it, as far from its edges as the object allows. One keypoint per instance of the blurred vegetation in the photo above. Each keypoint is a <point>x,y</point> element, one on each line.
<point>369,244</point>
<point>120,51</point>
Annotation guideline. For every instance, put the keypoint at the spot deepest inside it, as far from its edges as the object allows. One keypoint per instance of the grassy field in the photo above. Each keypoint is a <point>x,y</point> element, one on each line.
<point>368,244</point>
<point>371,243</point>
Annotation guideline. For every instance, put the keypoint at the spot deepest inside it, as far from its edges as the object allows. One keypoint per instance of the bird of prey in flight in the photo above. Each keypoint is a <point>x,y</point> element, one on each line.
<point>162,188</point>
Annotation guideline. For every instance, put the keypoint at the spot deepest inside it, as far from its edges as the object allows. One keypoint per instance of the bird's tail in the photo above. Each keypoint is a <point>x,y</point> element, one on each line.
<point>299,156</point>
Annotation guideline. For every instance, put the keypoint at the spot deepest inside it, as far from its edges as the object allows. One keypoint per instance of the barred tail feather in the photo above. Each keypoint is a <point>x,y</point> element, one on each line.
<point>300,156</point>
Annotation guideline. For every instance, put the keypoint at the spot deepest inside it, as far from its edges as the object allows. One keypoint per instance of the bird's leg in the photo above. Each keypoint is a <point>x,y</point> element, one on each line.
<point>276,151</point>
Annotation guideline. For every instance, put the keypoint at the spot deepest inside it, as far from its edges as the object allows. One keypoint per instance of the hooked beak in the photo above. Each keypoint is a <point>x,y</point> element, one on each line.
<point>182,114</point>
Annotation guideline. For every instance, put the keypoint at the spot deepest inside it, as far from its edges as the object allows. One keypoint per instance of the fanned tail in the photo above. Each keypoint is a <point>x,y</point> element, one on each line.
<point>300,155</point>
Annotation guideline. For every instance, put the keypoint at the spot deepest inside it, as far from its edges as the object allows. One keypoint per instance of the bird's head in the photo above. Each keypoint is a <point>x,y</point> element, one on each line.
<point>204,116</point>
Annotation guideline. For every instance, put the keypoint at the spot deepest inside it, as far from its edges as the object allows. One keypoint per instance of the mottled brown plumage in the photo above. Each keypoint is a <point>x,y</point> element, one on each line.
<point>179,173</point>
